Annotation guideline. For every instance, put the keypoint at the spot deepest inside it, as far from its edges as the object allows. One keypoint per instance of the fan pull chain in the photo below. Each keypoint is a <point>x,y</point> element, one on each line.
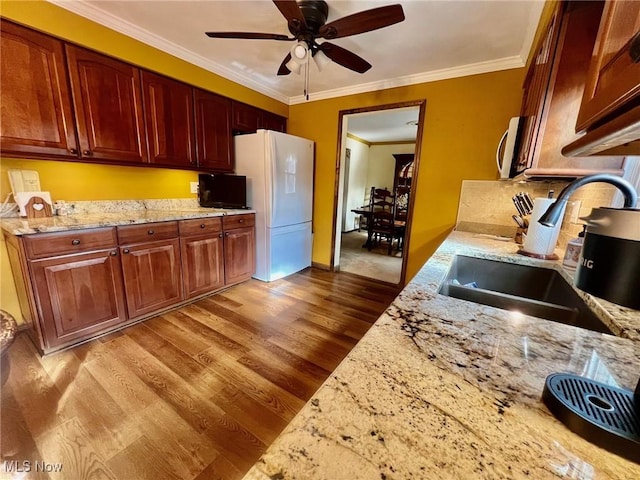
<point>306,79</point>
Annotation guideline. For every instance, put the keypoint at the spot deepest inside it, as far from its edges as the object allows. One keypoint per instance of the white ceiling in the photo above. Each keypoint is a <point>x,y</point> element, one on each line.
<point>438,39</point>
<point>396,125</point>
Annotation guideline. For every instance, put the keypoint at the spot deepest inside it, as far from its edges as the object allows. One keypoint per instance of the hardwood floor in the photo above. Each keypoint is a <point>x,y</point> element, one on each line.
<point>197,393</point>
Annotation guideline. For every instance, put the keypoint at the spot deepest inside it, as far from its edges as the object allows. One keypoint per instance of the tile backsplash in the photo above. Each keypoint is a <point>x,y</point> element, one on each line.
<point>486,205</point>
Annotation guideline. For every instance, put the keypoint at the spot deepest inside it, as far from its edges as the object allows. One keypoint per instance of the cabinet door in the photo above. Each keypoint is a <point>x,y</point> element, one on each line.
<point>36,117</point>
<point>152,276</point>
<point>239,254</point>
<point>246,119</point>
<point>535,95</point>
<point>213,131</point>
<point>78,295</point>
<point>202,264</point>
<point>108,106</point>
<point>168,109</point>
<point>271,121</point>
<point>613,79</point>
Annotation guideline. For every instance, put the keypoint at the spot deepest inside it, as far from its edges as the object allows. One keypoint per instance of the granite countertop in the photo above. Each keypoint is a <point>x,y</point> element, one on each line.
<point>443,388</point>
<point>23,226</point>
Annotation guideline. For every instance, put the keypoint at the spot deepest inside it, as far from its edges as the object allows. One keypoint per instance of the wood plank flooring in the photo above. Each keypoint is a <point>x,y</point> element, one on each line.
<point>196,393</point>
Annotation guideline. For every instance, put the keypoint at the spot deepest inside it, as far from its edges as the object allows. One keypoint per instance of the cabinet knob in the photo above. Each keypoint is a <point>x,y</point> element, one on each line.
<point>88,153</point>
<point>113,253</point>
<point>126,250</point>
<point>634,48</point>
<point>202,225</point>
<point>220,235</point>
<point>73,151</point>
<point>226,234</point>
<point>151,232</point>
<point>241,220</point>
<point>75,242</point>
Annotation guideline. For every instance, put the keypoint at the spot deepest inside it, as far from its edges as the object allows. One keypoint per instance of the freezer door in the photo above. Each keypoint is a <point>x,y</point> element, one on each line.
<point>290,177</point>
<point>286,250</point>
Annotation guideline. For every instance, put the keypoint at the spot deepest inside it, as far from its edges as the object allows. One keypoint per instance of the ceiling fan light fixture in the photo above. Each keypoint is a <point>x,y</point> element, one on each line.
<point>300,53</point>
<point>293,66</point>
<point>321,60</point>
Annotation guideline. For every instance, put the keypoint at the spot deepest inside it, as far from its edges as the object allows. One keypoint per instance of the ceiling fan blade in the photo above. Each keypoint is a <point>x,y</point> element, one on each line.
<point>293,14</point>
<point>283,70</point>
<point>249,35</point>
<point>344,57</point>
<point>362,22</point>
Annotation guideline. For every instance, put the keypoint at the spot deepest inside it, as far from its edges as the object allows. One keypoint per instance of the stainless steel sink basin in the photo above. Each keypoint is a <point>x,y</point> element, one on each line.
<point>540,292</point>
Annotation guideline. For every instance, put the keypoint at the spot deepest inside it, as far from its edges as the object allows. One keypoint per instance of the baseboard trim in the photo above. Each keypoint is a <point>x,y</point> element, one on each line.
<point>321,266</point>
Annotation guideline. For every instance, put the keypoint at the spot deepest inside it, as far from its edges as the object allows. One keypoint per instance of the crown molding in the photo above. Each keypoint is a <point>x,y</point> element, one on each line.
<point>126,28</point>
<point>506,63</point>
<point>103,18</point>
<point>358,139</point>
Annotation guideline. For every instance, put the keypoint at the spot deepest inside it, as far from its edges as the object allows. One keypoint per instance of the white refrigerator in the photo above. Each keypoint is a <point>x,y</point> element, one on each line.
<point>279,171</point>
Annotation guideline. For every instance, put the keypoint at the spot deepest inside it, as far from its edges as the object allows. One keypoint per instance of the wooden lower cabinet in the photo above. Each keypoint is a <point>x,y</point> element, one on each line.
<point>152,276</point>
<point>77,296</point>
<point>239,247</point>
<point>201,248</point>
<point>76,285</point>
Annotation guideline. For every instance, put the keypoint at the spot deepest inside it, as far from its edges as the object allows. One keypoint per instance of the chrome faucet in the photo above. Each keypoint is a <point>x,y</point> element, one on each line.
<point>552,215</point>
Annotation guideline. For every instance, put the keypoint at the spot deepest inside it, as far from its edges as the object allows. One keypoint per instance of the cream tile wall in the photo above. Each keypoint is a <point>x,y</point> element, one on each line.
<point>486,206</point>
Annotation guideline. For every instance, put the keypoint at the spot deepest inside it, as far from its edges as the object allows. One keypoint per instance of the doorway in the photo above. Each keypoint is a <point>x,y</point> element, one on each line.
<point>378,150</point>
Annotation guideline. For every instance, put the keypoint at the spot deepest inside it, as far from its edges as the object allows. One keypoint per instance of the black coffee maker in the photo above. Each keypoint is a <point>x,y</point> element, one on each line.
<point>609,265</point>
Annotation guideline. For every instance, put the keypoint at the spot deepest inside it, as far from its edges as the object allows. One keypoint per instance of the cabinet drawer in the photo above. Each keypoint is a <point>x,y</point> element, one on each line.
<point>147,232</point>
<point>238,221</point>
<point>52,244</point>
<point>200,226</point>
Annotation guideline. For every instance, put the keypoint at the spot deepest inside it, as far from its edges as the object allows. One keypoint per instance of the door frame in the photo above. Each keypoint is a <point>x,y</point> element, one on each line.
<point>414,186</point>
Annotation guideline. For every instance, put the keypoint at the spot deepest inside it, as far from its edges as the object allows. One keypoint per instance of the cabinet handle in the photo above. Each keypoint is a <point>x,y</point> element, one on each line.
<point>202,225</point>
<point>113,253</point>
<point>88,153</point>
<point>634,48</point>
<point>75,242</point>
<point>73,151</point>
<point>151,232</point>
<point>126,250</point>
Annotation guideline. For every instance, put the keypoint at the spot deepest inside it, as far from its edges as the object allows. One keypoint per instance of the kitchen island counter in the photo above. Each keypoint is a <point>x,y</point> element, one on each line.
<point>444,388</point>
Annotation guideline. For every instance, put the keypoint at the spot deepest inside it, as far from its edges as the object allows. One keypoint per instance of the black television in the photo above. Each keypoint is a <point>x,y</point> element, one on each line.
<point>222,191</point>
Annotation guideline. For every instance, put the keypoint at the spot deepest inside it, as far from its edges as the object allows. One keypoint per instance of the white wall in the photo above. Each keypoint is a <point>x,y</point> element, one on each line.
<point>382,164</point>
<point>356,191</point>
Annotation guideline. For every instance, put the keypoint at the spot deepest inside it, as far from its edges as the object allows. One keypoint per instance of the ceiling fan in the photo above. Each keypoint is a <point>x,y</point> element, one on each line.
<point>307,23</point>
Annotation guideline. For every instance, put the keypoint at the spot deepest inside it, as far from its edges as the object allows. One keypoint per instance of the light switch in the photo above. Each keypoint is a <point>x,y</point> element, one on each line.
<point>194,187</point>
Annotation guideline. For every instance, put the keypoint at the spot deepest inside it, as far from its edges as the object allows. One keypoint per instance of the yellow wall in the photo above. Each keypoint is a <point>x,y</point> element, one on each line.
<point>464,120</point>
<point>78,181</point>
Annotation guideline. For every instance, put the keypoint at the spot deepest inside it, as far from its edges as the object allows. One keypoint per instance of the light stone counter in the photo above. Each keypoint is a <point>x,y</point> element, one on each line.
<point>446,389</point>
<point>23,226</point>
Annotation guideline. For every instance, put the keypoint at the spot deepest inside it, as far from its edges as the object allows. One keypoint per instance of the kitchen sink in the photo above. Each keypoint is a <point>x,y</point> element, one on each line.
<point>535,291</point>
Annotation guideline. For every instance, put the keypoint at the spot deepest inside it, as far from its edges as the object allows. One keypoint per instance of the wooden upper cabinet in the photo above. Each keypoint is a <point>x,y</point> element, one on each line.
<point>246,119</point>
<point>168,110</point>
<point>37,117</point>
<point>271,121</point>
<point>108,106</point>
<point>613,80</point>
<point>213,131</point>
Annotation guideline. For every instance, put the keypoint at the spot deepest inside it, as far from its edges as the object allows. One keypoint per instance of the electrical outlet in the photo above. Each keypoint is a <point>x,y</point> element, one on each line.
<point>194,187</point>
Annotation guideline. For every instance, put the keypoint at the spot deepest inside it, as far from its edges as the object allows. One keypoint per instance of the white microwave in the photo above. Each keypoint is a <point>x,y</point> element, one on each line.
<point>506,160</point>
